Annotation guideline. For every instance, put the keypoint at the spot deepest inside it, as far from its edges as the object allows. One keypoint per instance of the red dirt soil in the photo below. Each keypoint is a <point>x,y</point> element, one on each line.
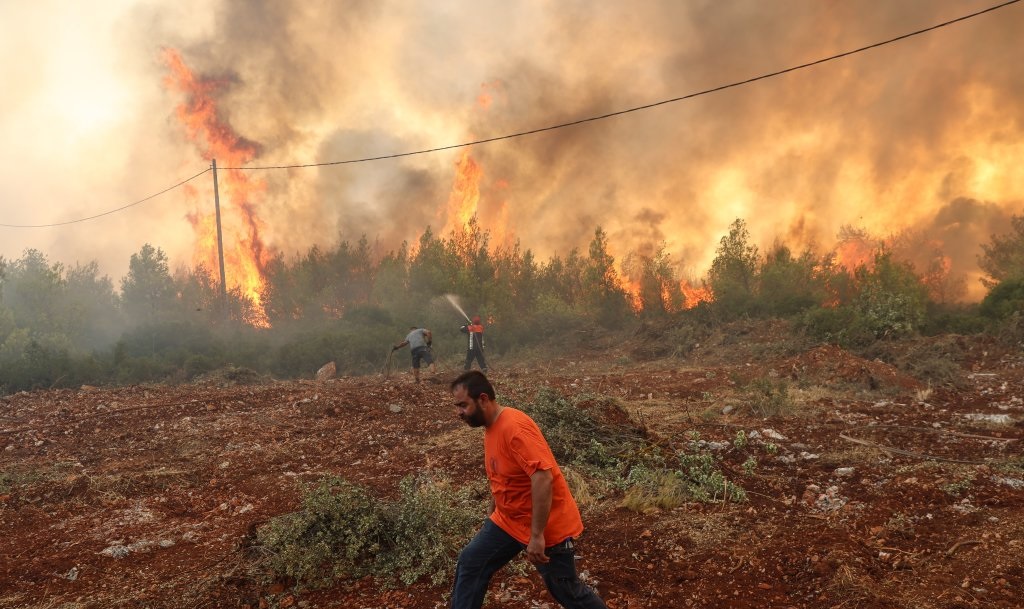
<point>150,496</point>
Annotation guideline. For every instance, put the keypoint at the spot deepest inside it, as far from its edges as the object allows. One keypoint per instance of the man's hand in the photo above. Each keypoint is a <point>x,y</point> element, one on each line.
<point>535,550</point>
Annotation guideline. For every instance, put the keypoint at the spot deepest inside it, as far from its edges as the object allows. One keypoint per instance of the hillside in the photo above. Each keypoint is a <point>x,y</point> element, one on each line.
<point>863,485</point>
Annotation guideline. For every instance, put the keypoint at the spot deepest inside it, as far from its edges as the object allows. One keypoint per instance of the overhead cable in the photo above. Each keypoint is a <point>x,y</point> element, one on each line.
<point>112,211</point>
<point>643,107</point>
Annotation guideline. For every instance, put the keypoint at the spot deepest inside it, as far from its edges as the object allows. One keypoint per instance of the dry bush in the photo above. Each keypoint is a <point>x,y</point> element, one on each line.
<point>582,488</point>
<point>934,361</point>
<point>767,398</point>
<point>850,583</point>
<point>852,454</point>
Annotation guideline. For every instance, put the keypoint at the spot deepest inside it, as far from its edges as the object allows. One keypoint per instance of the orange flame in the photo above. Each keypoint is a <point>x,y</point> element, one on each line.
<point>632,289</point>
<point>693,296</point>
<point>855,253</point>
<point>465,196</point>
<point>245,255</point>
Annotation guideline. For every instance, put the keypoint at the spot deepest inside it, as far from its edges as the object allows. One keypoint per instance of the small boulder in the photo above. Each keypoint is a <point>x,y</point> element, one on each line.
<point>326,372</point>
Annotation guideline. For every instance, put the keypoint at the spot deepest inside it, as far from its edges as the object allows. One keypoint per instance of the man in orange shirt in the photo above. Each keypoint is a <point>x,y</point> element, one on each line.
<point>532,508</point>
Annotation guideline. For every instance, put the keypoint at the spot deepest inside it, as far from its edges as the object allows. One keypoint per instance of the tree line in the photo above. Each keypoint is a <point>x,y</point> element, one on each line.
<point>63,326</point>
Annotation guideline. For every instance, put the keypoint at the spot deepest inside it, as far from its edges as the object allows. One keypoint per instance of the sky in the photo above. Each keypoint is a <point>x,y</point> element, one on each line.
<point>922,136</point>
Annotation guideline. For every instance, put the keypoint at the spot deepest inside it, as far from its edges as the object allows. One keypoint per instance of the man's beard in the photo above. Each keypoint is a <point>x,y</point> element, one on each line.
<point>476,419</point>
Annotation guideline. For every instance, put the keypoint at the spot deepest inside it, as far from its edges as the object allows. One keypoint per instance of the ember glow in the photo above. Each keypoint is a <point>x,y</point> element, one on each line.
<point>245,256</point>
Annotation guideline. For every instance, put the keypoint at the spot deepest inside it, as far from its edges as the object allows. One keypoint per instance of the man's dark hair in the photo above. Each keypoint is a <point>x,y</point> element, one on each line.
<point>476,384</point>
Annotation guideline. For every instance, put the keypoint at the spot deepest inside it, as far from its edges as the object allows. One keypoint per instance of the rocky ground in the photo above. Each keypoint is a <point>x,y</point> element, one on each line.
<point>867,488</point>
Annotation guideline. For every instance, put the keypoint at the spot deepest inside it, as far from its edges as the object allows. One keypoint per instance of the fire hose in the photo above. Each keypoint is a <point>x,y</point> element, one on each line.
<point>389,363</point>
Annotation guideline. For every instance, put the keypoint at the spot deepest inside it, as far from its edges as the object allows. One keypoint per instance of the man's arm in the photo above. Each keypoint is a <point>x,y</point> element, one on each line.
<point>400,345</point>
<point>540,491</point>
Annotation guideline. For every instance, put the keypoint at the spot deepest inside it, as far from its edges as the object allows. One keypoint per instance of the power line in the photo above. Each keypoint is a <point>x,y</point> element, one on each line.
<point>548,128</point>
<point>107,213</point>
<point>645,106</point>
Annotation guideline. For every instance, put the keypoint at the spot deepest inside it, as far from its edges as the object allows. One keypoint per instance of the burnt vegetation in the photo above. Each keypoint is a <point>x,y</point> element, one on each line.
<point>65,326</point>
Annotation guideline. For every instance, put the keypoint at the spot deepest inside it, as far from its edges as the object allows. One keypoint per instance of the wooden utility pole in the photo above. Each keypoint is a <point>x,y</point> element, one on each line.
<point>220,242</point>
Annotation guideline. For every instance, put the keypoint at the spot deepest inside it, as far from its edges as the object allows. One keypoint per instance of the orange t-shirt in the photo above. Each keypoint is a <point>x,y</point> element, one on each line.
<point>514,449</point>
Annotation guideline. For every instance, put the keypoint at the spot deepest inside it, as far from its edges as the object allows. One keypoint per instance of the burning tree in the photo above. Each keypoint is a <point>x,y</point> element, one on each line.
<point>245,254</point>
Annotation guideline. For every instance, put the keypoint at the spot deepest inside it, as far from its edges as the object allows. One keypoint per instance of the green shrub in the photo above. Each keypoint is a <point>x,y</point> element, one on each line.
<point>336,533</point>
<point>354,349</point>
<point>341,531</point>
<point>843,326</point>
<point>1003,300</point>
<point>577,436</point>
<point>954,319</point>
<point>788,285</point>
<point>369,315</point>
<point>683,337</point>
<point>42,366</point>
<point>143,369</point>
<point>705,480</point>
<point>733,273</point>
<point>891,299</point>
<point>426,528</point>
<point>769,398</point>
<point>197,365</point>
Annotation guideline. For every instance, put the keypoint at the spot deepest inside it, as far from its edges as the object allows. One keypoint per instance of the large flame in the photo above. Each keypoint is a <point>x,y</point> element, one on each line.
<point>465,198</point>
<point>465,195</point>
<point>245,255</point>
<point>855,251</point>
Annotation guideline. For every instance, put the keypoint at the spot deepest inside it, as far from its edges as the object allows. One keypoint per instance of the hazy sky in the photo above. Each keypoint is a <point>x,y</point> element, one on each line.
<point>924,134</point>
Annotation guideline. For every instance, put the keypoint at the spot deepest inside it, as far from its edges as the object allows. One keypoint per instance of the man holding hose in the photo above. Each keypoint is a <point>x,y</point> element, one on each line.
<point>475,349</point>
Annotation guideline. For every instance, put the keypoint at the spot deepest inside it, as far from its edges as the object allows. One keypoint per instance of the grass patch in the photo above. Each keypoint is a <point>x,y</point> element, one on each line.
<point>11,479</point>
<point>697,478</point>
<point>34,479</point>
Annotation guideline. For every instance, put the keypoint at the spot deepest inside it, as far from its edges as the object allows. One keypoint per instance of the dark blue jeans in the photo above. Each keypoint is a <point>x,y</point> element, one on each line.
<point>477,354</point>
<point>492,548</point>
